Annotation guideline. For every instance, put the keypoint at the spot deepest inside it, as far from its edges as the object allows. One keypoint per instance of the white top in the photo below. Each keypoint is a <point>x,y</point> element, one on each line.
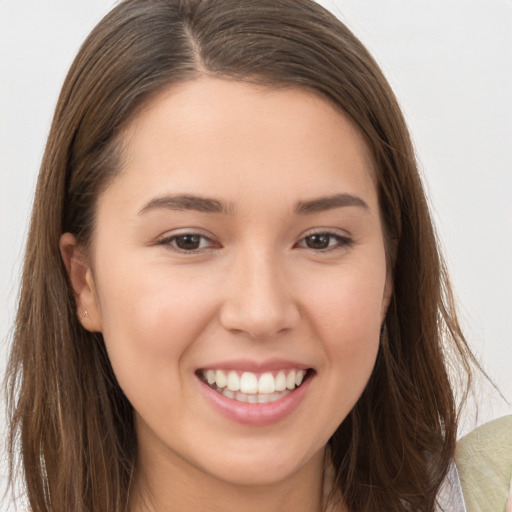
<point>450,497</point>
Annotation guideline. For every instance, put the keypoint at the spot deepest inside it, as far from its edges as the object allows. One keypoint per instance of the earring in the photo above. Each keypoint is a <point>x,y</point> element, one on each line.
<point>85,314</point>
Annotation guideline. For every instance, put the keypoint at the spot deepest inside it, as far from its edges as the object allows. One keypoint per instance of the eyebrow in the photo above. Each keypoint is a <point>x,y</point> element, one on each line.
<point>322,204</point>
<point>208,205</point>
<point>188,202</point>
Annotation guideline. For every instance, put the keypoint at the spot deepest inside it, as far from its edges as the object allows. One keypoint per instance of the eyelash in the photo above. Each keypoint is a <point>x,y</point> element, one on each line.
<point>170,242</point>
<point>341,242</point>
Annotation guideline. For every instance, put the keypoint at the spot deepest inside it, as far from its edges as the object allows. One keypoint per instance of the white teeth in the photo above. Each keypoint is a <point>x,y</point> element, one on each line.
<point>233,381</point>
<point>290,380</point>
<point>210,377</point>
<point>242,387</point>
<point>248,383</point>
<point>263,399</point>
<point>220,379</point>
<point>252,399</point>
<point>266,383</point>
<point>228,393</point>
<point>280,381</point>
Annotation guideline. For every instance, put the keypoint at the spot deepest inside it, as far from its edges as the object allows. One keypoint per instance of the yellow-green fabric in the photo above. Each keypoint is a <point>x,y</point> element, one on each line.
<point>484,462</point>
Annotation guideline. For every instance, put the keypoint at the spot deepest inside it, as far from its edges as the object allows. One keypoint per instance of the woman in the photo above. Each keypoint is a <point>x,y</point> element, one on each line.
<point>232,293</point>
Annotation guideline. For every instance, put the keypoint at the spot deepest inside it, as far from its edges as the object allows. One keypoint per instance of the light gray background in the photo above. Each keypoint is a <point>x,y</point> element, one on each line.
<point>450,65</point>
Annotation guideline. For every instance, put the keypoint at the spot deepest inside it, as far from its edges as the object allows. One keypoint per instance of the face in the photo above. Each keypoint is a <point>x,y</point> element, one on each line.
<point>238,275</point>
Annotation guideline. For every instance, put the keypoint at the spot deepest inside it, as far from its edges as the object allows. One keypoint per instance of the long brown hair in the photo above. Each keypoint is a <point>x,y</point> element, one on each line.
<point>70,420</point>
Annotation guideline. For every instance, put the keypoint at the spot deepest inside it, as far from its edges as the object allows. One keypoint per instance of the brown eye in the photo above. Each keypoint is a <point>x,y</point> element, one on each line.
<point>188,242</point>
<point>318,241</point>
<point>325,242</point>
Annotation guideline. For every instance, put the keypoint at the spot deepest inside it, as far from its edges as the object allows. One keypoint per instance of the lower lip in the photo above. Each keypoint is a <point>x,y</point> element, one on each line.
<point>257,415</point>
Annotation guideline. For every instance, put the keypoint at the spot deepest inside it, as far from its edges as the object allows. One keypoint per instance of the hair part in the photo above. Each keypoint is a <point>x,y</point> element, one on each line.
<point>69,417</point>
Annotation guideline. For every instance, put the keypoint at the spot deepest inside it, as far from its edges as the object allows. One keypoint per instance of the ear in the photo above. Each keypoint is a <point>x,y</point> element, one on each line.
<point>82,281</point>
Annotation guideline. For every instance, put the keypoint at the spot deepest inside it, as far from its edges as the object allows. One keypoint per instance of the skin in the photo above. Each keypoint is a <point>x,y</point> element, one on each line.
<point>256,288</point>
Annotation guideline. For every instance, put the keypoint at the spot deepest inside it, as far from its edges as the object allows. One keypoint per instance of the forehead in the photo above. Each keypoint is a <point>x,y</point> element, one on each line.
<point>216,135</point>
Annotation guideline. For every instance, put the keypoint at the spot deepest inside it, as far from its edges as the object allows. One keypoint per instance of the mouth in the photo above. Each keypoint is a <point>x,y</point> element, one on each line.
<point>254,388</point>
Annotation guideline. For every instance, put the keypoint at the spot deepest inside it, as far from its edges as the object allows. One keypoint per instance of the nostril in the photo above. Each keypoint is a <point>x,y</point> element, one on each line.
<point>259,322</point>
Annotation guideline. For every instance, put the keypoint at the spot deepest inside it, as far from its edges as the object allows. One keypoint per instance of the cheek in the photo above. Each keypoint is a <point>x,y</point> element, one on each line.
<point>351,335</point>
<point>346,305</point>
<point>150,320</point>
<point>346,314</point>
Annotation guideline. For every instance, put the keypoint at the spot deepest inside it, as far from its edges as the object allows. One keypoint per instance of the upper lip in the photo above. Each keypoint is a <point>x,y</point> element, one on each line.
<point>251,365</point>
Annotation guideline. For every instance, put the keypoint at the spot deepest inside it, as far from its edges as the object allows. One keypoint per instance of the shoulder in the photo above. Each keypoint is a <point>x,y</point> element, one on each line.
<point>484,463</point>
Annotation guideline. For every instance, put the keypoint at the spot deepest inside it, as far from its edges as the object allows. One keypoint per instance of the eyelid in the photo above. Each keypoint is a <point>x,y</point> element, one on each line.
<point>341,233</point>
<point>344,238</point>
<point>169,236</point>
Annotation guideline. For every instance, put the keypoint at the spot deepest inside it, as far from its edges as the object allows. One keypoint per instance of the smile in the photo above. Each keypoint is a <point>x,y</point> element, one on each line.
<point>251,387</point>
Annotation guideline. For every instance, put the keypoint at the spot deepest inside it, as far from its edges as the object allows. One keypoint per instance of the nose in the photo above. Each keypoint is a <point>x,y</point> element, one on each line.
<point>259,301</point>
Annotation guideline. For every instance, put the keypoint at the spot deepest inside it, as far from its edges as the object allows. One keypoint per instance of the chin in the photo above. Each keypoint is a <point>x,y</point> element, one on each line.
<point>262,466</point>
